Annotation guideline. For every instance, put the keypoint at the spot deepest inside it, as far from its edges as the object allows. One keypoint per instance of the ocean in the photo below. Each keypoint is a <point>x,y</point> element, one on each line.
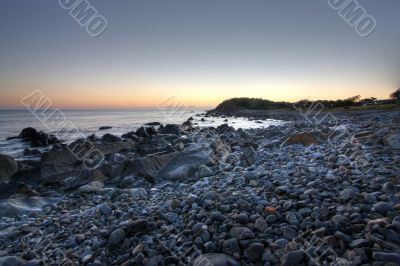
<point>89,121</point>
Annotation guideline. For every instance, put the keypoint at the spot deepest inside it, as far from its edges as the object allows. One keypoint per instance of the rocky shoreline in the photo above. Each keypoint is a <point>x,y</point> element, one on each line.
<point>303,193</point>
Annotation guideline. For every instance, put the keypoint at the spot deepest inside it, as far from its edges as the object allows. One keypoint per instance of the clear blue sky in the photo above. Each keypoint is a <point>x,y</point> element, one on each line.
<point>200,52</point>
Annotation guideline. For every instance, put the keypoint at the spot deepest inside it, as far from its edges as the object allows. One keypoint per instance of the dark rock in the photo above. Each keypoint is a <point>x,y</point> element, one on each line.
<point>386,257</point>
<point>109,138</point>
<point>153,124</point>
<point>254,252</point>
<point>32,152</point>
<point>243,218</point>
<point>249,156</point>
<point>105,127</point>
<point>145,132</point>
<point>37,138</point>
<point>137,226</point>
<point>173,129</point>
<point>116,237</point>
<point>383,207</point>
<point>93,138</point>
<point>8,167</point>
<point>293,258</point>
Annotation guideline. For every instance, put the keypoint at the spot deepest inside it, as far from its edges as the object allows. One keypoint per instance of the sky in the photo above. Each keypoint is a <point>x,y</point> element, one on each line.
<point>199,52</point>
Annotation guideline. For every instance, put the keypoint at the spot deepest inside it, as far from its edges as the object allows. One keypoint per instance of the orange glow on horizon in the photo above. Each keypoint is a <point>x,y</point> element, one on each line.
<point>196,97</point>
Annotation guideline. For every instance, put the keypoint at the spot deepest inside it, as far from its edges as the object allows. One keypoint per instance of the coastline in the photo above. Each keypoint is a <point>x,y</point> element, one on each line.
<point>184,194</point>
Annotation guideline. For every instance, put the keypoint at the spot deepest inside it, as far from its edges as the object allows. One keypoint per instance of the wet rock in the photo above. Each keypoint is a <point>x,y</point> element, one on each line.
<point>37,138</point>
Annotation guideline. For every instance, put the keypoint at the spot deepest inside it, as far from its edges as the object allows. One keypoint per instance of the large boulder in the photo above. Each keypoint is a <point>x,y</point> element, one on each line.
<point>173,129</point>
<point>8,167</point>
<point>178,165</point>
<point>148,166</point>
<point>69,161</point>
<point>145,131</point>
<point>24,205</point>
<point>37,138</point>
<point>184,163</point>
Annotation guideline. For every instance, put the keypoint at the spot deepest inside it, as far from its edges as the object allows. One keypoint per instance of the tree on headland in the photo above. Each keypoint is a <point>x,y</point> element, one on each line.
<point>370,100</point>
<point>395,95</point>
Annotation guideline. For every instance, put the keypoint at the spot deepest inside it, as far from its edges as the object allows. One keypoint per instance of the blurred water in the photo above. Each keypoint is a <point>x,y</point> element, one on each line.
<point>89,121</point>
